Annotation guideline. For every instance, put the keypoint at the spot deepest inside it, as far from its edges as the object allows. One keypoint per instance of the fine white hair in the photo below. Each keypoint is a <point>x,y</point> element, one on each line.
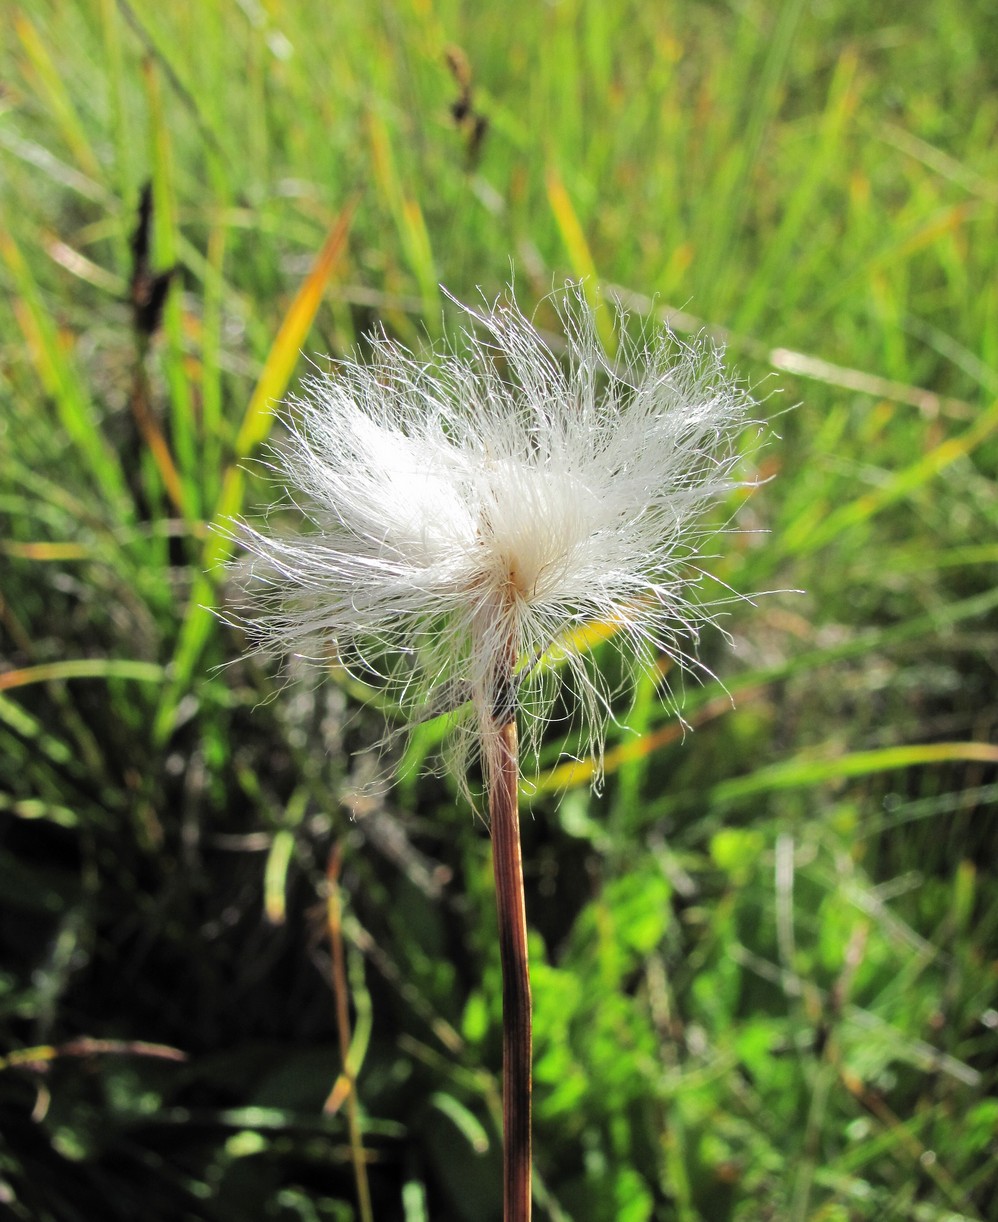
<point>472,514</point>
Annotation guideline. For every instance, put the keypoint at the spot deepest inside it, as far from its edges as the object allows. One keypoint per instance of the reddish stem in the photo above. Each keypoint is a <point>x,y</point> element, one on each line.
<point>516,1021</point>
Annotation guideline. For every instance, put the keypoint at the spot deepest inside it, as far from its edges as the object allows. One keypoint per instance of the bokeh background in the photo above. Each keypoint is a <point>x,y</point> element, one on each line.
<point>764,957</point>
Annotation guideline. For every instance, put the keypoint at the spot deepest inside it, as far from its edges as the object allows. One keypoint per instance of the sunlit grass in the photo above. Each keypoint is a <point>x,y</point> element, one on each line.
<point>761,956</point>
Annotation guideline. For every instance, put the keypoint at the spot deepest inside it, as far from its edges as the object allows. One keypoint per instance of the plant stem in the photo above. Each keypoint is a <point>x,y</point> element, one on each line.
<point>516,1022</point>
<point>347,1077</point>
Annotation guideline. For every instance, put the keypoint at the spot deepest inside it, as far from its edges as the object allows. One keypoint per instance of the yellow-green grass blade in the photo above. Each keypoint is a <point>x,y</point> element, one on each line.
<point>713,700</point>
<point>82,668</point>
<point>904,241</point>
<point>55,97</point>
<point>270,388</point>
<point>125,169</point>
<point>804,772</point>
<point>573,235</point>
<point>60,381</point>
<point>28,727</point>
<point>280,856</point>
<point>815,533</point>
<point>46,552</point>
<point>286,349</point>
<point>408,216</point>
<point>574,774</point>
<point>164,256</point>
<point>31,809</point>
<point>723,214</point>
<point>84,1046</point>
<point>774,271</point>
<point>212,423</point>
<point>169,50</point>
<point>580,256</point>
<point>275,876</point>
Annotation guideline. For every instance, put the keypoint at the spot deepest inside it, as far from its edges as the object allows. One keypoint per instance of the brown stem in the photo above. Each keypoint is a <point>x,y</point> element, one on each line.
<point>346,1084</point>
<point>516,1023</point>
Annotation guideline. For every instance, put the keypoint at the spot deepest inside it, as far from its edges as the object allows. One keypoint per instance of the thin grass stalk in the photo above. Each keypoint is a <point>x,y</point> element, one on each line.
<point>507,865</point>
<point>334,924</point>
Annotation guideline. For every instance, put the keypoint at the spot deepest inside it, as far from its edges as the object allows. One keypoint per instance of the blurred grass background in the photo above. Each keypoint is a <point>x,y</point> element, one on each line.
<point>764,959</point>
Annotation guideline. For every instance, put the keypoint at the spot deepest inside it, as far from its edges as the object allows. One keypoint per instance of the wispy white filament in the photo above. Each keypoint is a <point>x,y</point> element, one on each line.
<point>471,512</point>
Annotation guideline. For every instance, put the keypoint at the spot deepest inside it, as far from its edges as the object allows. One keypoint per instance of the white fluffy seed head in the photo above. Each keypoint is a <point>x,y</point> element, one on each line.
<point>475,510</point>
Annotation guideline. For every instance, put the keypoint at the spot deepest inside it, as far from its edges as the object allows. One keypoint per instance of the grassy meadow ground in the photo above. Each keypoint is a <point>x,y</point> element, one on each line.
<point>764,957</point>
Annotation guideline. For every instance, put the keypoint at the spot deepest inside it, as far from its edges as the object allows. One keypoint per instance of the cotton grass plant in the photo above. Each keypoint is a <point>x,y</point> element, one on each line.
<point>470,516</point>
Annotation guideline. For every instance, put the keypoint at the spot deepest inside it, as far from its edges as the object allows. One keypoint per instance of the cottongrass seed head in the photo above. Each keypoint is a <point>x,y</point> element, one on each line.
<point>472,516</point>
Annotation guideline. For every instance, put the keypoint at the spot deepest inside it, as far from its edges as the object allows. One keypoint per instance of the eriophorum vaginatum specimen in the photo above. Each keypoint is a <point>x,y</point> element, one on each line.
<point>473,515</point>
<point>473,511</point>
